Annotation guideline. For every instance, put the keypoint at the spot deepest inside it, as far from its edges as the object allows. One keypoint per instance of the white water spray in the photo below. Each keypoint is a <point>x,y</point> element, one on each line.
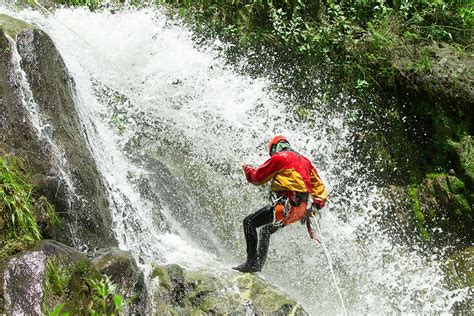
<point>176,193</point>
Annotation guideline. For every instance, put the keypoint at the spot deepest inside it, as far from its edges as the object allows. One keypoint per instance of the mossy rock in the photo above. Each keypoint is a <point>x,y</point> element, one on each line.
<point>459,271</point>
<point>164,280</point>
<point>122,270</point>
<point>211,296</point>
<point>12,26</point>
<point>440,201</point>
<point>224,293</point>
<point>266,298</point>
<point>465,150</point>
<point>449,76</point>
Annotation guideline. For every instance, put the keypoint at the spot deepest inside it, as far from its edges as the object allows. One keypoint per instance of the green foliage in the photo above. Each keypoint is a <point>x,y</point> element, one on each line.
<point>57,311</point>
<point>466,156</point>
<point>456,186</point>
<point>418,213</point>
<point>78,289</point>
<point>56,283</point>
<point>20,206</point>
<point>57,277</point>
<point>423,65</point>
<point>92,4</point>
<point>105,301</point>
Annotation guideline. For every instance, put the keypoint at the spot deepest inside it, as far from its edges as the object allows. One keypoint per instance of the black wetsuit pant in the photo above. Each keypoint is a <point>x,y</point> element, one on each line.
<point>257,248</point>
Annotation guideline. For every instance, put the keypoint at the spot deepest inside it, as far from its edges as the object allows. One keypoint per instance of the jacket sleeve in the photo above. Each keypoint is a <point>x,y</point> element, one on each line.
<point>319,191</point>
<point>265,172</point>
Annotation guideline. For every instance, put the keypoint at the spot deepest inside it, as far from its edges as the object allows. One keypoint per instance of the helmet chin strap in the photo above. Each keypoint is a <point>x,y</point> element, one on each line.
<point>274,141</point>
<point>280,146</point>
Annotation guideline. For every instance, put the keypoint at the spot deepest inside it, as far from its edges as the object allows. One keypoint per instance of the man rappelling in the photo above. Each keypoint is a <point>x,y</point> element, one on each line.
<point>296,190</point>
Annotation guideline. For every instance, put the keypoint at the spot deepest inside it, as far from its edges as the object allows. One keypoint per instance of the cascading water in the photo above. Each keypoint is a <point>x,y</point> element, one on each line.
<point>43,130</point>
<point>169,125</point>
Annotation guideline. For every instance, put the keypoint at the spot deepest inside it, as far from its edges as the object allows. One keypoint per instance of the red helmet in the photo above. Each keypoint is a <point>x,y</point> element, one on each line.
<point>274,141</point>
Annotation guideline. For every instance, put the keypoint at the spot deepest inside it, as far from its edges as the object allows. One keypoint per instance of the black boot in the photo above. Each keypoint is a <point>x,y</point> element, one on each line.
<point>248,266</point>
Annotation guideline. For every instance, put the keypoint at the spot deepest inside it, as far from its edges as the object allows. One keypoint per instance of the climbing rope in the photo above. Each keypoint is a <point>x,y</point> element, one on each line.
<point>321,242</point>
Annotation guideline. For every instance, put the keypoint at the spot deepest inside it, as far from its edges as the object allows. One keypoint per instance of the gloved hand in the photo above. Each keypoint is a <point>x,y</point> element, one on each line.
<point>315,206</point>
<point>310,212</point>
<point>318,204</point>
<point>245,165</point>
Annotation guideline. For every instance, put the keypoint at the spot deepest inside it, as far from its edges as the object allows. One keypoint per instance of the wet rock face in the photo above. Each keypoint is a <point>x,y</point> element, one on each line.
<point>17,134</point>
<point>461,267</point>
<point>84,208</point>
<point>194,293</point>
<point>123,271</point>
<point>443,204</point>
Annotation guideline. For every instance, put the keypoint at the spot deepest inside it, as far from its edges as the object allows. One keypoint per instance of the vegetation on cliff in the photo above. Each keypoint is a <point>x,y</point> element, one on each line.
<point>366,43</point>
<point>24,214</point>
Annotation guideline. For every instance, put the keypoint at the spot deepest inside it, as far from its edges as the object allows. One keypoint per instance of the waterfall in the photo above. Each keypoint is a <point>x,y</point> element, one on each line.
<point>169,125</point>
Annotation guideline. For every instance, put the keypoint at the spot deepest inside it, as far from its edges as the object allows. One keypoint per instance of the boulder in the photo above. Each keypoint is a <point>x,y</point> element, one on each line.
<point>55,149</point>
<point>22,276</point>
<point>201,293</point>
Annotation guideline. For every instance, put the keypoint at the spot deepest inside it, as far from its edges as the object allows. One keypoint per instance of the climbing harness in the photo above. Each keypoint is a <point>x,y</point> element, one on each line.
<point>281,206</point>
<point>289,207</point>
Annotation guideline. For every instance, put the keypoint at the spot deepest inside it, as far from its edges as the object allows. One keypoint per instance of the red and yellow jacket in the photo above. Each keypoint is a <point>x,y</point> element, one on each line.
<point>290,172</point>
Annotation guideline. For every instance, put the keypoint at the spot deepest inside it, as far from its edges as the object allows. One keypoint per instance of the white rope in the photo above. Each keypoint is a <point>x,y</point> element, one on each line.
<point>330,265</point>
